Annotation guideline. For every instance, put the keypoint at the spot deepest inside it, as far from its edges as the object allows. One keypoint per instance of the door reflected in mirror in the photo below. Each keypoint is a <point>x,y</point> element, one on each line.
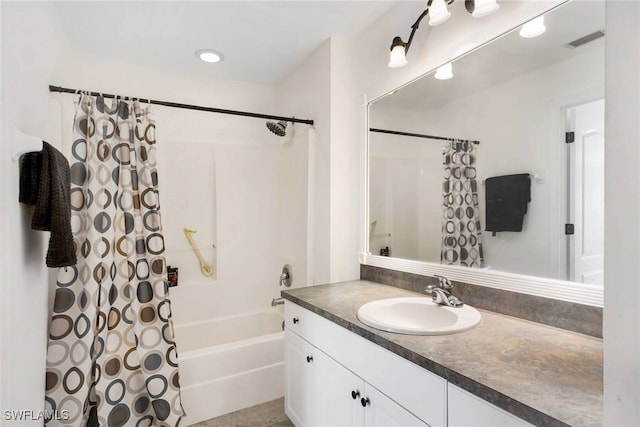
<point>502,166</point>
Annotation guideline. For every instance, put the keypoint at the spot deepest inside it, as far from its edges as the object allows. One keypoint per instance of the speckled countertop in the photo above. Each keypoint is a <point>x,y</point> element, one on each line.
<point>545,375</point>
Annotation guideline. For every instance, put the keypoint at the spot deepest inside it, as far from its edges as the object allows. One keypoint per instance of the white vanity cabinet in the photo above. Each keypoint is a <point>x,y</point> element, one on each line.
<point>321,392</point>
<point>333,378</point>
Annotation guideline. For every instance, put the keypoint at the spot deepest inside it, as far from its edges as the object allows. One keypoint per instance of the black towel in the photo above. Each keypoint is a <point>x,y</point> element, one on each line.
<point>507,198</point>
<point>45,183</point>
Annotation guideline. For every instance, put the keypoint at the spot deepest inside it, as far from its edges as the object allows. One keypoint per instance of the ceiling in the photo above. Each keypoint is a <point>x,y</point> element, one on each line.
<point>262,41</point>
<point>505,58</point>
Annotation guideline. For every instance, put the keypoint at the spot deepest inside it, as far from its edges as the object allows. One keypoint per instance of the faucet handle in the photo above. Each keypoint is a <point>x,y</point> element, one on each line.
<point>455,302</point>
<point>439,295</point>
<point>431,288</point>
<point>444,282</point>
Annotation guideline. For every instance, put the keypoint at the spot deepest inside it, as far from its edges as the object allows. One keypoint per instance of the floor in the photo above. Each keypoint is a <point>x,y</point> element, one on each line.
<point>270,414</point>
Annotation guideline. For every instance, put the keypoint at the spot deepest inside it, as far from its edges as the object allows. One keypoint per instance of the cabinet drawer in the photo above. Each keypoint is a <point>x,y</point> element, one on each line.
<point>296,319</point>
<point>412,387</point>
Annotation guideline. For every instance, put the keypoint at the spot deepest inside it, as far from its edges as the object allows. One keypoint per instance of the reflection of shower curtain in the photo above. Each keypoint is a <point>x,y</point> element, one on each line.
<point>111,358</point>
<point>461,237</point>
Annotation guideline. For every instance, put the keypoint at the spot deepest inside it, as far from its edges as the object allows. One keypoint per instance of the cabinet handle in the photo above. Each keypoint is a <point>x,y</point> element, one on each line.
<point>355,394</point>
<point>295,320</point>
<point>309,359</point>
<point>365,402</point>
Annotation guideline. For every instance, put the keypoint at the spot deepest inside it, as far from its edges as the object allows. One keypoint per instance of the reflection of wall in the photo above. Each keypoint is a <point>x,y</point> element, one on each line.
<point>520,126</point>
<point>406,179</point>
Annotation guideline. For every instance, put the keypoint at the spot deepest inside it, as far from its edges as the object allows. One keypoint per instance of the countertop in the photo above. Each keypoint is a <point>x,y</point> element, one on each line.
<point>545,375</point>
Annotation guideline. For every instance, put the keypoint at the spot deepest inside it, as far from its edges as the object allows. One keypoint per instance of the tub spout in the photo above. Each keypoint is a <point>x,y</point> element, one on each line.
<point>277,301</point>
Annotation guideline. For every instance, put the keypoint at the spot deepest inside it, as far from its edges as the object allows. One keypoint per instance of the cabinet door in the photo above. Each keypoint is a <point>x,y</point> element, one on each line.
<point>465,409</point>
<point>299,379</point>
<point>336,395</point>
<point>382,411</point>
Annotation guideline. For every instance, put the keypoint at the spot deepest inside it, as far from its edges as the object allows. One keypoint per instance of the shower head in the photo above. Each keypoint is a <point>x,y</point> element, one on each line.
<point>278,128</point>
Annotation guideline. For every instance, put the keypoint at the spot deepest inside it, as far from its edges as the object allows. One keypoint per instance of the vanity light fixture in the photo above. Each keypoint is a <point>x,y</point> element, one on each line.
<point>484,8</point>
<point>397,57</point>
<point>445,72</point>
<point>438,13</point>
<point>533,28</point>
<point>209,55</point>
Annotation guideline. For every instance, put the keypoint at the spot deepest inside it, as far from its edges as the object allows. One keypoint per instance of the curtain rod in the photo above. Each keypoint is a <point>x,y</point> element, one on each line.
<point>188,106</point>
<point>420,135</point>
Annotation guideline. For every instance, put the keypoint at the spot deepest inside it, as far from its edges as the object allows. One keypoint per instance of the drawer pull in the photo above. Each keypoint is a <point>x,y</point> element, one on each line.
<point>309,359</point>
<point>355,394</point>
<point>365,402</point>
<point>295,320</point>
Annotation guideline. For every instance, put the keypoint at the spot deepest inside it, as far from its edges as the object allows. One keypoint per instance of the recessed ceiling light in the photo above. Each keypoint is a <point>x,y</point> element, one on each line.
<point>209,55</point>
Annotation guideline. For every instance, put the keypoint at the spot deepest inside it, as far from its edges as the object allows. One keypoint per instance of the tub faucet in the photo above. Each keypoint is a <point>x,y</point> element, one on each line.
<point>277,301</point>
<point>442,293</point>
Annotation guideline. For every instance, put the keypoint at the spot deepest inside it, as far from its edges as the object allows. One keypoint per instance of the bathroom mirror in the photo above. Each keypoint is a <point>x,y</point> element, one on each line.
<point>519,98</point>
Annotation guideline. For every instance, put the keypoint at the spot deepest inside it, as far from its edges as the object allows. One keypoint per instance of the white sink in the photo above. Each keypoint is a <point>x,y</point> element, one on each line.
<point>417,316</point>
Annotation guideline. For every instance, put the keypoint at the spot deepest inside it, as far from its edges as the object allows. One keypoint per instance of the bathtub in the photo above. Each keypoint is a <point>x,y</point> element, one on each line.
<point>230,363</point>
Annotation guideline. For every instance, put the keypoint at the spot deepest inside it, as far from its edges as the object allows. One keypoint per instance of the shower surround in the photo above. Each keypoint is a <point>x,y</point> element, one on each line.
<point>249,199</point>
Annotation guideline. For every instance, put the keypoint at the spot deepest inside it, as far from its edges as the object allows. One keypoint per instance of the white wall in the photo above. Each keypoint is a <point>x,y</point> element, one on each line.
<point>305,94</point>
<point>34,53</point>
<point>520,124</point>
<point>344,166</point>
<point>321,88</point>
<point>622,211</point>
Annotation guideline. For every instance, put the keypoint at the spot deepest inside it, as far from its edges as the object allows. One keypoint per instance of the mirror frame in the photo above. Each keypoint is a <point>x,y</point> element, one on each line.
<point>574,292</point>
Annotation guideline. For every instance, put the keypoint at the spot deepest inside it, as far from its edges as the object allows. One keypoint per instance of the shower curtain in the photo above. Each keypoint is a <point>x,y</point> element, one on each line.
<point>111,357</point>
<point>461,236</point>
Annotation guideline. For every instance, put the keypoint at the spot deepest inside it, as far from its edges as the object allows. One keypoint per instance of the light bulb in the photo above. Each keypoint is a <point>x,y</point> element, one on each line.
<point>397,57</point>
<point>445,72</point>
<point>438,12</point>
<point>484,8</point>
<point>533,28</point>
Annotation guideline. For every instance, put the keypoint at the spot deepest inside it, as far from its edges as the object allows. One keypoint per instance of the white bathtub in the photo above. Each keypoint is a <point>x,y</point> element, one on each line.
<point>230,363</point>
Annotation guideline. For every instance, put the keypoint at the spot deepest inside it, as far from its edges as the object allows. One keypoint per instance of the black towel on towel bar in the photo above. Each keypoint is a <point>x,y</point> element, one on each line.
<point>45,183</point>
<point>507,198</point>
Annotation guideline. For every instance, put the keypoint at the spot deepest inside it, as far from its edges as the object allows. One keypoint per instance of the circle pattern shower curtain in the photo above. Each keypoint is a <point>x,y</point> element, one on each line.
<point>111,358</point>
<point>461,230</point>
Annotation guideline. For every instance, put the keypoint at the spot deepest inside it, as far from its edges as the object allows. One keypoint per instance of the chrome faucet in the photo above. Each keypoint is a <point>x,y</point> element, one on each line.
<point>442,293</point>
<point>277,301</point>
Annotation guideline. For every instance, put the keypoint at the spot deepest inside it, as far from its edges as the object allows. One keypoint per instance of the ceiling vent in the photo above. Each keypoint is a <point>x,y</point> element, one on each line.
<point>586,39</point>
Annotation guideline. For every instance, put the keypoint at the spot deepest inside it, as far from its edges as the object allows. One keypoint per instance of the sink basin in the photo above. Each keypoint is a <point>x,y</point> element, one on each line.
<point>417,316</point>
